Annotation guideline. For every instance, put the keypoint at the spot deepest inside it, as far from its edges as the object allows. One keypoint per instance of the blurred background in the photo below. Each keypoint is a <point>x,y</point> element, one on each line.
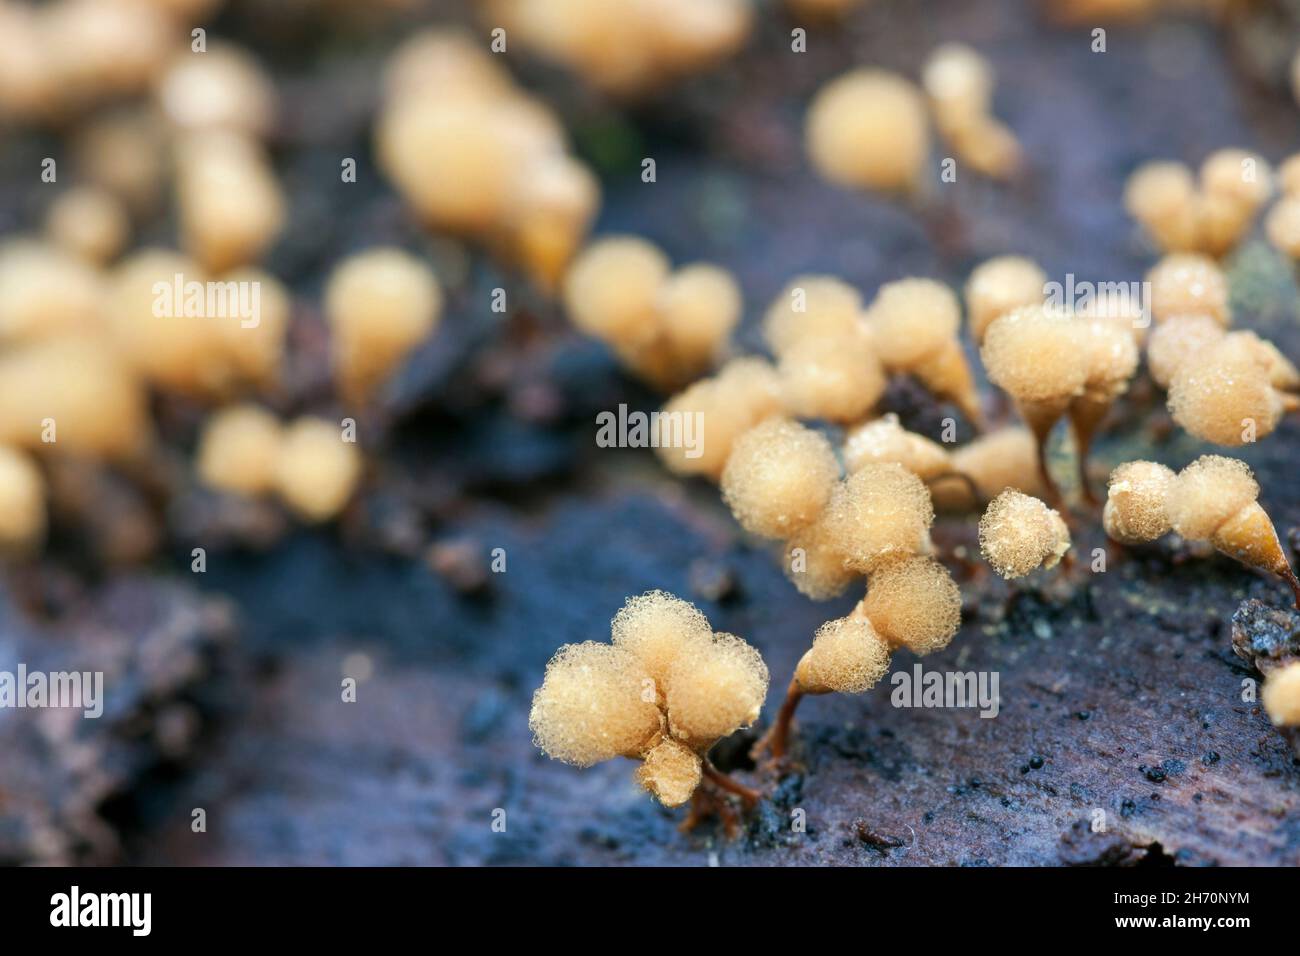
<point>223,687</point>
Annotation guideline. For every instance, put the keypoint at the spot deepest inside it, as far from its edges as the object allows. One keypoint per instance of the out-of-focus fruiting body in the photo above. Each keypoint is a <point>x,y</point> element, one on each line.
<point>1281,695</point>
<point>868,129</point>
<point>90,222</point>
<point>959,83</point>
<point>230,204</point>
<point>188,332</point>
<point>317,470</point>
<point>47,291</point>
<point>667,327</point>
<point>476,156</point>
<point>1209,214</point>
<point>239,449</point>
<point>72,395</point>
<point>22,503</point>
<point>380,305</point>
<point>627,49</point>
